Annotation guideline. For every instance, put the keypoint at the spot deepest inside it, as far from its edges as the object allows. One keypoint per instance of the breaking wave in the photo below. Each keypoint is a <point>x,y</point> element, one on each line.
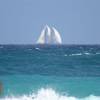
<point>48,94</point>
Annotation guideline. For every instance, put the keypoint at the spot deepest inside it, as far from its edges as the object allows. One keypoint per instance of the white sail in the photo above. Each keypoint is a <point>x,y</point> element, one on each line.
<point>41,39</point>
<point>49,36</point>
<point>56,36</point>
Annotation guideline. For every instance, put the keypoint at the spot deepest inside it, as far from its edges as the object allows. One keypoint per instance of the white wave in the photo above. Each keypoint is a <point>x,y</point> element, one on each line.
<point>98,53</point>
<point>65,55</point>
<point>76,54</point>
<point>86,53</point>
<point>37,48</point>
<point>49,94</point>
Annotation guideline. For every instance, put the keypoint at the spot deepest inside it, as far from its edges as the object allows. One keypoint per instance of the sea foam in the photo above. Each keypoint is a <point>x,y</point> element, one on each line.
<point>48,94</point>
<point>77,54</point>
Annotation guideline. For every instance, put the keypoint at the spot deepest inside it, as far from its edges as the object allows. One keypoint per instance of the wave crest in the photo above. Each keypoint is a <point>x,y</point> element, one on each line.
<point>49,94</point>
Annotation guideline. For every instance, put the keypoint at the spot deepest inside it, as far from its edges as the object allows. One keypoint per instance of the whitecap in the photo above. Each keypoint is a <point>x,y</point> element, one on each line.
<point>98,53</point>
<point>49,94</point>
<point>86,53</point>
<point>65,55</point>
<point>77,54</point>
<point>37,48</point>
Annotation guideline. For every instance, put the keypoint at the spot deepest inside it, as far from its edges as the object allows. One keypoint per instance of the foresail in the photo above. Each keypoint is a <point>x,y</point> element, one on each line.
<point>41,39</point>
<point>57,37</point>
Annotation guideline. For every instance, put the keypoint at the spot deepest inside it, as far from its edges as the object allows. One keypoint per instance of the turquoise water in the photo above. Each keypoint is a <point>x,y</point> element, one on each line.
<point>33,72</point>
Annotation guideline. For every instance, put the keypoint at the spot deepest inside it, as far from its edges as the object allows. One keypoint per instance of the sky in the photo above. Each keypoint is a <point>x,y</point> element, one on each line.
<point>78,21</point>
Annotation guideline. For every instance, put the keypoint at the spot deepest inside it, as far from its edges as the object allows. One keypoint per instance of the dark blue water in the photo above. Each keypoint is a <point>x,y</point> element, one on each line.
<point>67,70</point>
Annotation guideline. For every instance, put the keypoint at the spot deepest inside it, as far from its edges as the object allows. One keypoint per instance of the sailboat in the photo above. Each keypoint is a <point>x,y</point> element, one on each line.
<point>49,36</point>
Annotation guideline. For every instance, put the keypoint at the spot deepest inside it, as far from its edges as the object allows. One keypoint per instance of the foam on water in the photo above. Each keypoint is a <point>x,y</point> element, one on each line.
<point>37,48</point>
<point>98,53</point>
<point>76,54</point>
<point>87,53</point>
<point>48,94</point>
<point>65,55</point>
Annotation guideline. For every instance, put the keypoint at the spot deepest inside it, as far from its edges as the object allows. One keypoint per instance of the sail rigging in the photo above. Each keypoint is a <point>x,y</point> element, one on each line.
<point>49,36</point>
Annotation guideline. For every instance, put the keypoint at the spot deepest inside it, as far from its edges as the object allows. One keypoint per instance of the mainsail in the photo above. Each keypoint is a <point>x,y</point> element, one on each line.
<point>49,36</point>
<point>45,36</point>
<point>56,37</point>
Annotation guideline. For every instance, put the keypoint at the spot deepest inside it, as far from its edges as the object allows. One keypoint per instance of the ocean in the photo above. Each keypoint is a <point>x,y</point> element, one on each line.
<point>50,72</point>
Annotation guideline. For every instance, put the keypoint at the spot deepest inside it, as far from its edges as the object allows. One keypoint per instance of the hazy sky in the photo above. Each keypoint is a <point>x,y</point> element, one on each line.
<point>78,21</point>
